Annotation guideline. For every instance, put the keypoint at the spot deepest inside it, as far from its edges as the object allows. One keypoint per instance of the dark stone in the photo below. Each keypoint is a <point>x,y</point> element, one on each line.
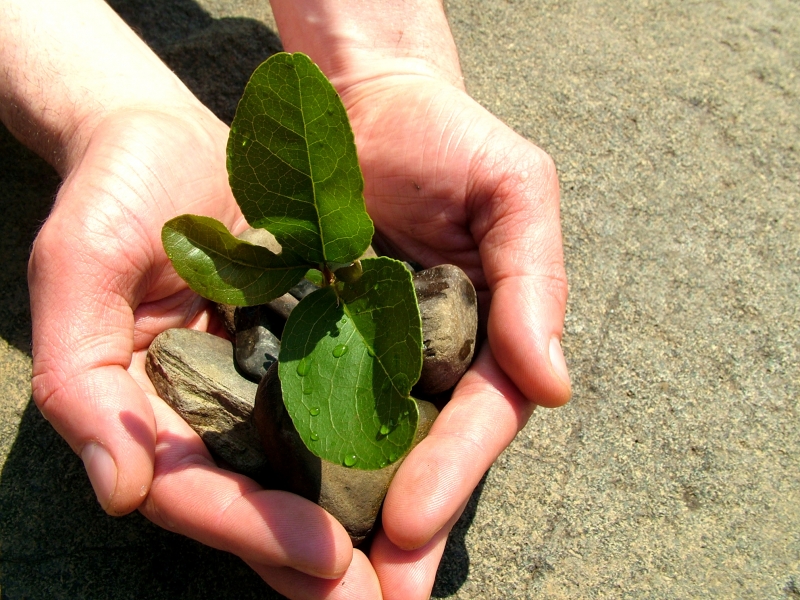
<point>353,496</point>
<point>226,312</point>
<point>194,373</point>
<point>256,331</point>
<point>449,308</point>
<point>257,349</point>
<point>303,289</point>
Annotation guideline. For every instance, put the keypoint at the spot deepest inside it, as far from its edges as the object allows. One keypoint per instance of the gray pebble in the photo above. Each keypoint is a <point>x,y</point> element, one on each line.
<point>303,289</point>
<point>256,331</point>
<point>257,349</point>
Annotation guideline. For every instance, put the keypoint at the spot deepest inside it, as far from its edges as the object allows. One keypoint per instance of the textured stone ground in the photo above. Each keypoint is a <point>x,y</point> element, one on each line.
<point>674,472</point>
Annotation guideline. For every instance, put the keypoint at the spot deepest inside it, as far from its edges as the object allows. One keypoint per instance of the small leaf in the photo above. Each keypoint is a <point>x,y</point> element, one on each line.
<point>315,277</point>
<point>224,269</point>
<point>347,364</point>
<point>292,162</point>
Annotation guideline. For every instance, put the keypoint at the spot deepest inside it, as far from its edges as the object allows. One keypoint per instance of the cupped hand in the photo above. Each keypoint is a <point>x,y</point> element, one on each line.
<point>446,182</point>
<point>101,290</point>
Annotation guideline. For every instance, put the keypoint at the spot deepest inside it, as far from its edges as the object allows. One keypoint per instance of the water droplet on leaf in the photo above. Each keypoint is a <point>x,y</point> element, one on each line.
<point>384,429</point>
<point>314,436</point>
<point>303,367</point>
<point>392,458</point>
<point>349,460</point>
<point>313,411</point>
<point>339,350</point>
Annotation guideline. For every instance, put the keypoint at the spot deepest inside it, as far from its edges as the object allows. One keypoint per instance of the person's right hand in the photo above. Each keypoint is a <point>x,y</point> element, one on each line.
<point>101,289</point>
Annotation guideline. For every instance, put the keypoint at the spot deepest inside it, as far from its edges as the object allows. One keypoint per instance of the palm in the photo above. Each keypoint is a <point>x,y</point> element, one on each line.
<point>149,168</point>
<point>415,150</point>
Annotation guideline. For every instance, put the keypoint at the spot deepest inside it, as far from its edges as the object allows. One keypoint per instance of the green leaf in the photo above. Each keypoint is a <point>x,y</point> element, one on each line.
<point>224,269</point>
<point>292,163</point>
<point>347,364</point>
<point>315,277</point>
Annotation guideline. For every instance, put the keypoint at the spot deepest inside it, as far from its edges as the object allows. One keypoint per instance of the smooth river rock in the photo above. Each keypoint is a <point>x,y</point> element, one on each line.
<point>256,346</point>
<point>195,374</point>
<point>449,308</point>
<point>353,496</point>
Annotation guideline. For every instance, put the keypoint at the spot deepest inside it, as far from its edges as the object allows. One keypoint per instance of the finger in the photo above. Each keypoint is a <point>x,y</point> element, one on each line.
<point>438,476</point>
<point>409,574</point>
<point>358,583</point>
<point>190,495</point>
<point>82,342</point>
<point>519,234</point>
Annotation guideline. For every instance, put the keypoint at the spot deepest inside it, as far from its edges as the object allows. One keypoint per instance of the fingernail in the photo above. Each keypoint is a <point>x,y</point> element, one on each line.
<point>102,472</point>
<point>557,360</point>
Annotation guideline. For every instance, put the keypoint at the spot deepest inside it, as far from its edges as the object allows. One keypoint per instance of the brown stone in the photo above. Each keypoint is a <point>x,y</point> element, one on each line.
<point>194,373</point>
<point>449,308</point>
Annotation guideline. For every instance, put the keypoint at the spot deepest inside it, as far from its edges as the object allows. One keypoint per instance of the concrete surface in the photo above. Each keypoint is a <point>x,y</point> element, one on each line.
<point>674,472</point>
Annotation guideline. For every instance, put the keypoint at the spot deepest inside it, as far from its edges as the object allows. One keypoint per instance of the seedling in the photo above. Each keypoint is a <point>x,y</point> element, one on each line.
<point>351,350</point>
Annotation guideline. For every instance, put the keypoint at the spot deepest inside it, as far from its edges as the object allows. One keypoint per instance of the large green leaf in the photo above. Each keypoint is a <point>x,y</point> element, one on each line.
<point>347,364</point>
<point>292,162</point>
<point>224,269</point>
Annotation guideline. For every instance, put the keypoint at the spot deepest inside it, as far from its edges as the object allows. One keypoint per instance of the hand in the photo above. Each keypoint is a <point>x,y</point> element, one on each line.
<point>446,182</point>
<point>101,290</point>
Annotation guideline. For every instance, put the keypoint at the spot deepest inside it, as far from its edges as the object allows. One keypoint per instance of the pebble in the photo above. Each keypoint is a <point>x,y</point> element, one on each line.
<point>449,308</point>
<point>194,373</point>
<point>257,349</point>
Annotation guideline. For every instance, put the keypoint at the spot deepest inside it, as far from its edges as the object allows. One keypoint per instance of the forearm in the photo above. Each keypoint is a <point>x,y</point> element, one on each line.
<point>64,65</point>
<point>359,39</point>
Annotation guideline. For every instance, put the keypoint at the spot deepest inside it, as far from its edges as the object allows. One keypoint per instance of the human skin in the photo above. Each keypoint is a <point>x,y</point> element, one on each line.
<point>444,182</point>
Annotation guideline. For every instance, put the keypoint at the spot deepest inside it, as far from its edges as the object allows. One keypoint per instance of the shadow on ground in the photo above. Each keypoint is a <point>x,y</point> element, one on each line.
<point>55,542</point>
<point>213,57</point>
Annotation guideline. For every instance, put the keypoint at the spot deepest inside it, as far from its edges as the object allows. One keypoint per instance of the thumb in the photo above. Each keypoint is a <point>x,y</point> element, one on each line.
<point>519,236</point>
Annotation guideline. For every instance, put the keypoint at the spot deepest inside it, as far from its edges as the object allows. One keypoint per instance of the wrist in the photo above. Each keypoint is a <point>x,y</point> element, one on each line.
<point>354,41</point>
<point>66,66</point>
<point>76,134</point>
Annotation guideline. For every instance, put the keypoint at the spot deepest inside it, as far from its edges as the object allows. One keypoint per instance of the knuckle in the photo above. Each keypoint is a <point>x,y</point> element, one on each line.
<point>46,386</point>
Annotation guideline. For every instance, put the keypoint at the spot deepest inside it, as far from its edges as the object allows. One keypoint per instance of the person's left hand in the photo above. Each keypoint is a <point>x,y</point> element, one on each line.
<point>446,182</point>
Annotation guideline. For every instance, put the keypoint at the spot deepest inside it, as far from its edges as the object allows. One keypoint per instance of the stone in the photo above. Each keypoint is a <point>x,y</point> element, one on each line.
<point>260,237</point>
<point>256,346</point>
<point>449,308</point>
<point>226,314</point>
<point>303,289</point>
<point>256,350</point>
<point>284,305</point>
<point>194,373</point>
<point>353,496</point>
